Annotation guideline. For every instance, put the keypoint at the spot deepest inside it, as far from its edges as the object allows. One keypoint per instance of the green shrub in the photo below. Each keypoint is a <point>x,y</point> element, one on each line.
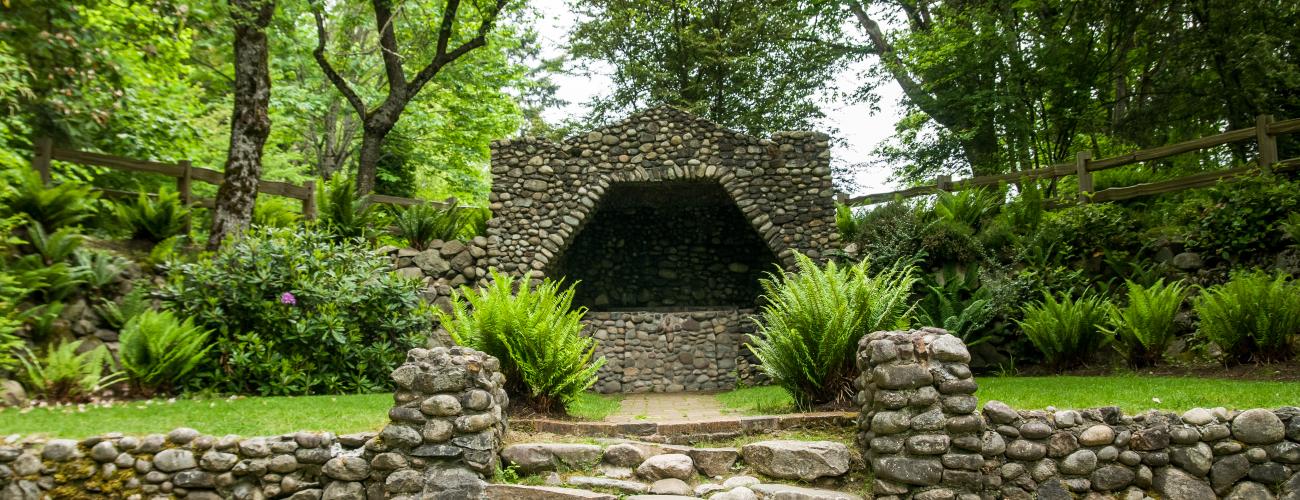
<point>889,234</point>
<point>1241,220</point>
<point>64,375</point>
<point>949,242</point>
<point>52,207</point>
<point>345,213</point>
<point>809,329</point>
<point>535,334</point>
<point>1291,226</point>
<point>1253,316</point>
<point>153,219</point>
<point>1082,232</point>
<point>1145,326</point>
<point>298,312</point>
<point>418,225</point>
<point>157,350</point>
<point>1066,331</point>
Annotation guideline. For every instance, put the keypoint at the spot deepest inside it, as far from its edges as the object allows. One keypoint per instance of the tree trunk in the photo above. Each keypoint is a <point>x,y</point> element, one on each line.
<point>250,123</point>
<point>372,142</point>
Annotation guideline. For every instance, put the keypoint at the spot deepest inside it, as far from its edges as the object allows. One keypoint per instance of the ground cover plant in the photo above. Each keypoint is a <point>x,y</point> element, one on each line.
<point>535,333</point>
<point>808,330</point>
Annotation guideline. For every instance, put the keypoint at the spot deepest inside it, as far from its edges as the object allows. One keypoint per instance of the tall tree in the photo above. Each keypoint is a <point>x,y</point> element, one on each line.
<point>250,122</point>
<point>378,121</point>
<point>1015,84</point>
<point>753,65</point>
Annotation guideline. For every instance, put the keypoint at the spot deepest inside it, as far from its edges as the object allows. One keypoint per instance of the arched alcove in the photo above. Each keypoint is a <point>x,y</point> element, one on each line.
<point>668,245</point>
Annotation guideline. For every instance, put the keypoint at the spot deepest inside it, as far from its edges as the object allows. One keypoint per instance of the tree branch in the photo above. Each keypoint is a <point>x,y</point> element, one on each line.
<point>325,66</point>
<point>442,57</point>
<point>388,47</point>
<point>881,47</point>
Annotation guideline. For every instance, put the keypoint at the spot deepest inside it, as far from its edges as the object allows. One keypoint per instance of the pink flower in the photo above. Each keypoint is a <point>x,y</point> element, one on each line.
<point>288,299</point>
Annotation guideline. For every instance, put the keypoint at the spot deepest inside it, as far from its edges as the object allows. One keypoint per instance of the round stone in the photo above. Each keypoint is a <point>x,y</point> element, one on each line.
<point>1258,426</point>
<point>346,468</point>
<point>1097,435</point>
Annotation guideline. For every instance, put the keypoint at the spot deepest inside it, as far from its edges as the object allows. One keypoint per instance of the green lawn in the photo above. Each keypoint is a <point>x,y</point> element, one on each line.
<point>345,414</point>
<point>1132,393</point>
<point>251,416</point>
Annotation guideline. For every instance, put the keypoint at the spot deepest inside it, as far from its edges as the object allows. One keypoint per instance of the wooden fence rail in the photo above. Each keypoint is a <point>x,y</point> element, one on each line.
<point>185,174</point>
<point>1264,133</point>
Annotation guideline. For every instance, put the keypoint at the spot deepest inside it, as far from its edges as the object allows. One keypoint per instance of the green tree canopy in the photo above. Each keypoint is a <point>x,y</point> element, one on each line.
<point>752,65</point>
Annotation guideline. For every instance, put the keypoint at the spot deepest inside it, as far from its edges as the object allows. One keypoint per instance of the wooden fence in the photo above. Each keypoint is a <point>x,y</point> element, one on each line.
<point>1264,133</point>
<point>185,174</point>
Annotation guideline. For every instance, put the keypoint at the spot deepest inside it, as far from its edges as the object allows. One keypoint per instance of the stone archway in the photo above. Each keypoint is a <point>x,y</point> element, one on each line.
<point>665,330</point>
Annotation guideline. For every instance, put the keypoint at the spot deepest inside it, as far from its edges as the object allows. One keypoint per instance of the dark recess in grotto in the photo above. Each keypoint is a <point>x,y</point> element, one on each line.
<point>666,246</point>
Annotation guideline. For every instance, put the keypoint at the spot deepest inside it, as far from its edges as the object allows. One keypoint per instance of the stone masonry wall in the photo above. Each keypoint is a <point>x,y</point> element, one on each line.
<point>670,351</point>
<point>543,193</point>
<point>923,438</point>
<point>443,439</point>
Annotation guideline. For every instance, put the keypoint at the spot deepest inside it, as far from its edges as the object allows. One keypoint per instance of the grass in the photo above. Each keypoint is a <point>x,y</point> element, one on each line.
<point>1133,393</point>
<point>253,416</point>
<point>256,416</point>
<point>592,406</point>
<point>1136,393</point>
<point>250,416</point>
<point>761,400</point>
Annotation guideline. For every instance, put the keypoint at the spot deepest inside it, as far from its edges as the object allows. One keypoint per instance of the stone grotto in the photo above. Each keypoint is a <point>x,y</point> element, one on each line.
<point>667,223</point>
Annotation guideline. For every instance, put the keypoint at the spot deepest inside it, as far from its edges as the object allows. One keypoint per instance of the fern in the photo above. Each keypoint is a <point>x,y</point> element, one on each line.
<point>420,224</point>
<point>846,222</point>
<point>63,374</point>
<point>54,247</point>
<point>535,333</point>
<point>969,208</point>
<point>1065,330</point>
<point>51,207</point>
<point>157,350</point>
<point>99,269</point>
<point>344,212</point>
<point>116,314</point>
<point>809,329</point>
<point>1145,327</point>
<point>1252,316</point>
<point>1291,227</point>
<point>153,219</point>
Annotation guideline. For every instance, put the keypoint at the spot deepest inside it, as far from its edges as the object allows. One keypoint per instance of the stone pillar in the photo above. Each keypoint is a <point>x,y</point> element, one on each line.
<point>447,422</point>
<point>917,428</point>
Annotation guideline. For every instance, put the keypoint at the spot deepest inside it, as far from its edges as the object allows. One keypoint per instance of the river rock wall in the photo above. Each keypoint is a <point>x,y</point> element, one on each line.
<point>444,436</point>
<point>922,436</point>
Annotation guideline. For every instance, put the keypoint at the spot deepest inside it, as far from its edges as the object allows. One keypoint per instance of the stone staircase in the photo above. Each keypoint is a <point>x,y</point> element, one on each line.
<point>648,471</point>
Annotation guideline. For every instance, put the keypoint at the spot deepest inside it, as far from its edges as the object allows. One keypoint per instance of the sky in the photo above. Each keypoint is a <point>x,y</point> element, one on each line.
<point>860,130</point>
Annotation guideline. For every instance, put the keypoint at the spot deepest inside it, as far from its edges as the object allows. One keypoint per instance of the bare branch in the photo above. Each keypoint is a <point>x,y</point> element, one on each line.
<point>325,66</point>
<point>442,57</point>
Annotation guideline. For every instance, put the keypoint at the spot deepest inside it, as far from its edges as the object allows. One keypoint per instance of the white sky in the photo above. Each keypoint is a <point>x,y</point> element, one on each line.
<point>860,130</point>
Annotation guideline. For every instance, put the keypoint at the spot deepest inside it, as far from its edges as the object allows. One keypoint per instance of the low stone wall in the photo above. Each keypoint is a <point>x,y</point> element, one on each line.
<point>444,437</point>
<point>670,351</point>
<point>923,438</point>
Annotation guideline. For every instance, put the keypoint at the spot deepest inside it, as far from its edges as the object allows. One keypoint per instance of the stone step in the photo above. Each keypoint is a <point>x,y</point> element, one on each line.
<point>604,482</point>
<point>769,491</point>
<point>522,492</point>
<point>660,497</point>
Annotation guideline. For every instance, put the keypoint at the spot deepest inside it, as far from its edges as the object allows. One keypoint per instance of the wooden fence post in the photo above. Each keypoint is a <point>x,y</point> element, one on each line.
<point>183,189</point>
<point>1267,143</point>
<point>944,182</point>
<point>41,162</point>
<point>309,203</point>
<point>1081,162</point>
